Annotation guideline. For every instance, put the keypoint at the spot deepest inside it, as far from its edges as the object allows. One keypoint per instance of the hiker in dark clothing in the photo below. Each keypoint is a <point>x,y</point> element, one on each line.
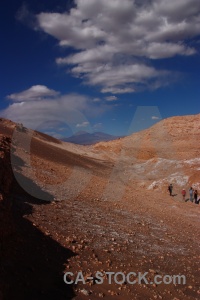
<point>191,194</point>
<point>195,197</point>
<point>170,188</point>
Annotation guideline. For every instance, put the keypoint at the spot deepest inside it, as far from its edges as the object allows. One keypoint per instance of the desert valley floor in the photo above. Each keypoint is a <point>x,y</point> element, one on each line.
<point>104,208</point>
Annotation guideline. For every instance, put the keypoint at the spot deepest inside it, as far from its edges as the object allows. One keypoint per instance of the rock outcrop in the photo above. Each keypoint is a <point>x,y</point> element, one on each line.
<point>6,174</point>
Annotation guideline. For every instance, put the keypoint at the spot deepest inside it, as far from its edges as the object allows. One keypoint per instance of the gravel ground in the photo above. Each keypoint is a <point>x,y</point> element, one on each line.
<point>96,212</point>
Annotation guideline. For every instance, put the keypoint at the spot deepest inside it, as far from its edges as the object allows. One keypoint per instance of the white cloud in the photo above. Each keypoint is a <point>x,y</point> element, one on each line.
<point>83,124</point>
<point>123,74</point>
<point>38,111</point>
<point>116,90</point>
<point>111,98</point>
<point>113,37</point>
<point>164,50</point>
<point>36,92</point>
<point>155,118</point>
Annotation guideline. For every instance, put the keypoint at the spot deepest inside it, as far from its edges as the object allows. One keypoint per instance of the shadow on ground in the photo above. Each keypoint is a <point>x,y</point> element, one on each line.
<point>174,195</point>
<point>32,263</point>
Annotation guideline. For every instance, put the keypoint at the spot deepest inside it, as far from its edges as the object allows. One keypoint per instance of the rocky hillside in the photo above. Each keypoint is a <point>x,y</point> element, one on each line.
<point>167,152</point>
<point>172,138</point>
<point>106,208</point>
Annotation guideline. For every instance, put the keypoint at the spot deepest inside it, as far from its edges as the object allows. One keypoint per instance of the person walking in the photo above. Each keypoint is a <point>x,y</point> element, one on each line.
<point>191,194</point>
<point>183,194</point>
<point>195,197</point>
<point>170,188</point>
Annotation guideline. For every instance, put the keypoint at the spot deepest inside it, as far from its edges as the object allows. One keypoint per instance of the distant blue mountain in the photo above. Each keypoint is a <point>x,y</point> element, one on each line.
<point>85,138</point>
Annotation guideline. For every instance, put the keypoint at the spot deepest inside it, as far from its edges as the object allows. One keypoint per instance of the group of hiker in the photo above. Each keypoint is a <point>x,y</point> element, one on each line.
<point>192,193</point>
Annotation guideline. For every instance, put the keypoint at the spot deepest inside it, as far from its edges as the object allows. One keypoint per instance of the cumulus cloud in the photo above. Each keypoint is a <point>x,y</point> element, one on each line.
<point>155,118</point>
<point>36,92</point>
<point>112,38</point>
<point>43,108</point>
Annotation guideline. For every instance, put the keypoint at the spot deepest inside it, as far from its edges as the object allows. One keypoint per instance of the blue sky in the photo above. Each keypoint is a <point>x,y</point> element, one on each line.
<point>96,65</point>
